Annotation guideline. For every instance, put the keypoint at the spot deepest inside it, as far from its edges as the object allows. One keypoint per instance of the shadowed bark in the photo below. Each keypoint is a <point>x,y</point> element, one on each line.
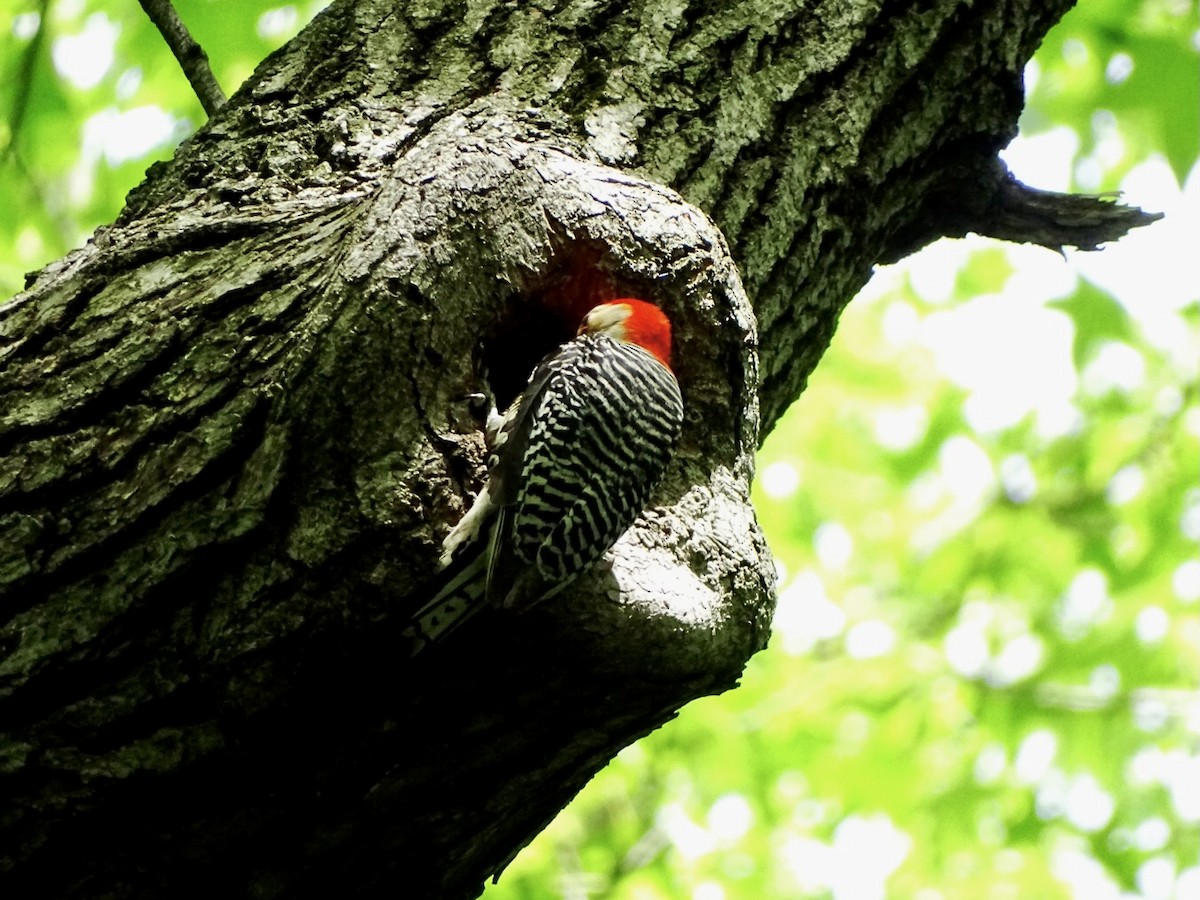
<point>233,427</point>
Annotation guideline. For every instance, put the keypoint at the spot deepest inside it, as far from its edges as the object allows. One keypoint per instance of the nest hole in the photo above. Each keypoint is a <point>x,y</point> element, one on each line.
<point>548,314</point>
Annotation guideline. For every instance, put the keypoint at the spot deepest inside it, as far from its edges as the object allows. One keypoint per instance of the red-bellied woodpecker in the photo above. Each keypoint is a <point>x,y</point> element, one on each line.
<point>573,462</point>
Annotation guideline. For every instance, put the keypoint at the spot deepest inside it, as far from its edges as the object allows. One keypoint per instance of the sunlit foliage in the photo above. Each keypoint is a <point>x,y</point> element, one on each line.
<point>985,508</point>
<point>90,96</point>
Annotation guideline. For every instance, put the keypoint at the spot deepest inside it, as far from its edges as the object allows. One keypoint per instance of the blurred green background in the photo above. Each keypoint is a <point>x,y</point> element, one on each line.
<point>985,508</point>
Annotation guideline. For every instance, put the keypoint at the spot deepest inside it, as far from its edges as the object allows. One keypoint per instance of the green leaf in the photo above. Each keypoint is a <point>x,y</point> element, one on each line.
<point>1097,317</point>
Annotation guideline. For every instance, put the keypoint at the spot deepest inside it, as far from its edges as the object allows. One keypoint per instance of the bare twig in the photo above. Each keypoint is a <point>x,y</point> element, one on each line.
<point>987,199</point>
<point>192,58</point>
<point>1021,213</point>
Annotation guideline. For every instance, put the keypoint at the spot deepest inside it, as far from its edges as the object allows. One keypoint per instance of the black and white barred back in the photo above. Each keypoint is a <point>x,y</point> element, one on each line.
<point>603,419</point>
<point>575,460</point>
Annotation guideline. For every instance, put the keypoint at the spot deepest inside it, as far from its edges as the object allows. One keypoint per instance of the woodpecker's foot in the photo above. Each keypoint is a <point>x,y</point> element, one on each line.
<point>467,531</point>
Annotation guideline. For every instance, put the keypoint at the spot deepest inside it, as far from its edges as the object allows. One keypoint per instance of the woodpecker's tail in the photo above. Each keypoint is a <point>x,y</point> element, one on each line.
<point>458,595</point>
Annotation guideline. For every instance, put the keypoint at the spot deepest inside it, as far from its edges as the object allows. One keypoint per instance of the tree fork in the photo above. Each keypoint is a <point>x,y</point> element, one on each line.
<point>233,425</point>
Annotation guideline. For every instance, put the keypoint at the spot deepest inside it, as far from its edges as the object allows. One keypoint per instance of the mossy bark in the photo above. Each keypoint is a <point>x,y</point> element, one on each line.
<point>233,427</point>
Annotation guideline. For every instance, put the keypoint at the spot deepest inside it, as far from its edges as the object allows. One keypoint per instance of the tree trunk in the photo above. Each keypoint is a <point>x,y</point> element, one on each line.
<point>233,427</point>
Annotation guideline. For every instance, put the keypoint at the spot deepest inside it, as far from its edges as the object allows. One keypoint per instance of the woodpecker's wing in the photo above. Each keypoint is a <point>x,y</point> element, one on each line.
<point>507,467</point>
<point>590,440</point>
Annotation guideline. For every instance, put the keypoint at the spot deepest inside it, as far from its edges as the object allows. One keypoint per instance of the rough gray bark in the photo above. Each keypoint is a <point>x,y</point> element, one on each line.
<point>233,427</point>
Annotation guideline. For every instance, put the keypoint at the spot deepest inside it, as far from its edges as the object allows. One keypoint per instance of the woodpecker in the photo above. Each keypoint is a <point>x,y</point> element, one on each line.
<point>573,462</point>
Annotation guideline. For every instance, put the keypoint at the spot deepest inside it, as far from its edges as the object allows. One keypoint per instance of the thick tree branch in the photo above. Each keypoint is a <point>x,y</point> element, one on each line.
<point>232,427</point>
<point>265,451</point>
<point>191,56</point>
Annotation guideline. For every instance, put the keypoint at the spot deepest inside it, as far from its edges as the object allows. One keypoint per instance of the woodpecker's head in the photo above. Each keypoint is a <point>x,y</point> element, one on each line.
<point>635,322</point>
